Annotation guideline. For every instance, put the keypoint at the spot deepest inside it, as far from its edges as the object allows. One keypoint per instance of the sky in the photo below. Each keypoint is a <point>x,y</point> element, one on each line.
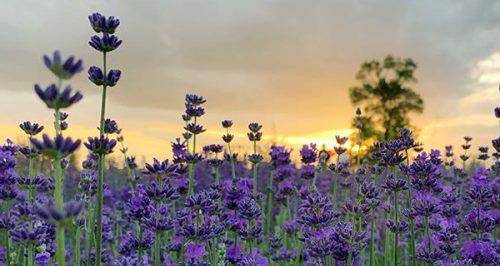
<point>285,64</point>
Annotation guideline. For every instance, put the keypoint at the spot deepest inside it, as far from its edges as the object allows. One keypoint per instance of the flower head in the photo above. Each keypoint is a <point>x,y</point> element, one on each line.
<point>63,70</point>
<point>97,76</point>
<point>56,99</point>
<point>111,127</point>
<point>102,24</point>
<point>59,146</point>
<point>227,123</point>
<point>309,154</point>
<point>194,100</point>
<point>31,129</point>
<point>100,145</point>
<point>106,43</point>
<point>51,213</point>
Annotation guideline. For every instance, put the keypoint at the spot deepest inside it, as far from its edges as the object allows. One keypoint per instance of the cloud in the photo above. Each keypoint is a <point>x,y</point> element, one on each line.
<point>287,64</point>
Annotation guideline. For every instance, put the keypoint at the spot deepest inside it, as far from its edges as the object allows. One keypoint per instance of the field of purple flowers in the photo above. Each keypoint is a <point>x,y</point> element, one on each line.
<point>397,205</point>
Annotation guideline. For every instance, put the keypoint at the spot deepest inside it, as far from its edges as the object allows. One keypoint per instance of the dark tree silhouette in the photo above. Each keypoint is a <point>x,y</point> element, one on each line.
<point>385,96</point>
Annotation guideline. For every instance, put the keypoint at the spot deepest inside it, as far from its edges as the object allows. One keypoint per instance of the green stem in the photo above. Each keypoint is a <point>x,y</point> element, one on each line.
<point>31,254</point>
<point>396,233</point>
<point>349,255</point>
<point>157,258</point>
<point>372,237</point>
<point>269,207</point>
<point>77,252</point>
<point>6,244</point>
<point>59,201</point>
<point>233,166</point>
<point>192,167</point>
<point>254,171</point>
<point>98,232</point>
<point>191,179</point>
<point>428,234</point>
<point>89,226</point>
<point>100,180</point>
<point>60,251</point>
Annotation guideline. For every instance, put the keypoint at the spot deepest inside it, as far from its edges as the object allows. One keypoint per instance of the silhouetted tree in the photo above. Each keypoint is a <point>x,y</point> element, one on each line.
<point>385,96</point>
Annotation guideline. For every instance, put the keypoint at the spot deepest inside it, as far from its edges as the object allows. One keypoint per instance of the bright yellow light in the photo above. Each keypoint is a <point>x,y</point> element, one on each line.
<point>326,138</point>
<point>355,148</point>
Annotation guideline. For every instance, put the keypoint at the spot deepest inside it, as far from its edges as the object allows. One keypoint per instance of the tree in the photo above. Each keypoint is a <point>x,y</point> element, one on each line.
<point>385,96</point>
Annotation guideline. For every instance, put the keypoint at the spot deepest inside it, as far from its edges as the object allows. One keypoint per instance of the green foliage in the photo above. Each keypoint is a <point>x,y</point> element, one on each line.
<point>385,96</point>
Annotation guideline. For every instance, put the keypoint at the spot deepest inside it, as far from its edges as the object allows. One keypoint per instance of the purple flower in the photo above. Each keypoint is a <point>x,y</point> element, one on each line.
<point>215,148</point>
<point>106,43</point>
<point>100,145</point>
<point>111,127</point>
<point>227,123</point>
<point>194,111</point>
<point>394,184</point>
<point>31,129</point>
<point>59,146</point>
<point>480,253</point>
<point>307,172</point>
<point>51,213</point>
<point>194,128</point>
<point>496,144</point>
<point>96,76</point>
<point>254,127</point>
<point>254,136</point>
<point>56,99</point>
<point>63,70</point>
<point>195,251</point>
<point>194,100</point>
<point>227,138</point>
<point>309,154</point>
<point>255,158</point>
<point>315,211</point>
<point>163,168</point>
<point>42,258</point>
<point>102,24</point>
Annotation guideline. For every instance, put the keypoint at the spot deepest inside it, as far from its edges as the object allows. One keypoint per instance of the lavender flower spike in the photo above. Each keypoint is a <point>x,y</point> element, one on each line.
<point>63,70</point>
<point>56,99</point>
<point>102,24</point>
<point>59,146</point>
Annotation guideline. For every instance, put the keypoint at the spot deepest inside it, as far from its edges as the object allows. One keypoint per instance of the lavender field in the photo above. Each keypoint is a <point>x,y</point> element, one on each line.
<point>399,202</point>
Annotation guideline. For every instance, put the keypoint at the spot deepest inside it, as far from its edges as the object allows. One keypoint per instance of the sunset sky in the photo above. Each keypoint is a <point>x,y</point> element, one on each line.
<point>286,64</point>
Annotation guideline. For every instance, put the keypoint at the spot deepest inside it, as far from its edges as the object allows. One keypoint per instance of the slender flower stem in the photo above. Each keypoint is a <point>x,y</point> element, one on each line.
<point>59,201</point>
<point>31,253</point>
<point>396,233</point>
<point>58,195</point>
<point>100,180</point>
<point>89,224</point>
<point>409,206</point>
<point>233,166</point>
<point>6,244</point>
<point>157,249</point>
<point>77,252</point>
<point>428,234</point>
<point>372,237</point>
<point>192,167</point>
<point>269,207</point>
<point>254,171</point>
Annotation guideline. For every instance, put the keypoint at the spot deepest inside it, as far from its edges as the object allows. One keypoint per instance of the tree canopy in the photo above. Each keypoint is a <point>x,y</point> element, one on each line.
<point>385,96</point>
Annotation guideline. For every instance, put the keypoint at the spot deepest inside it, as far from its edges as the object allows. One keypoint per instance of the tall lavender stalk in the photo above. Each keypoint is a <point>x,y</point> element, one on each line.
<point>194,110</point>
<point>56,99</point>
<point>107,43</point>
<point>254,136</point>
<point>31,129</point>
<point>227,138</point>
